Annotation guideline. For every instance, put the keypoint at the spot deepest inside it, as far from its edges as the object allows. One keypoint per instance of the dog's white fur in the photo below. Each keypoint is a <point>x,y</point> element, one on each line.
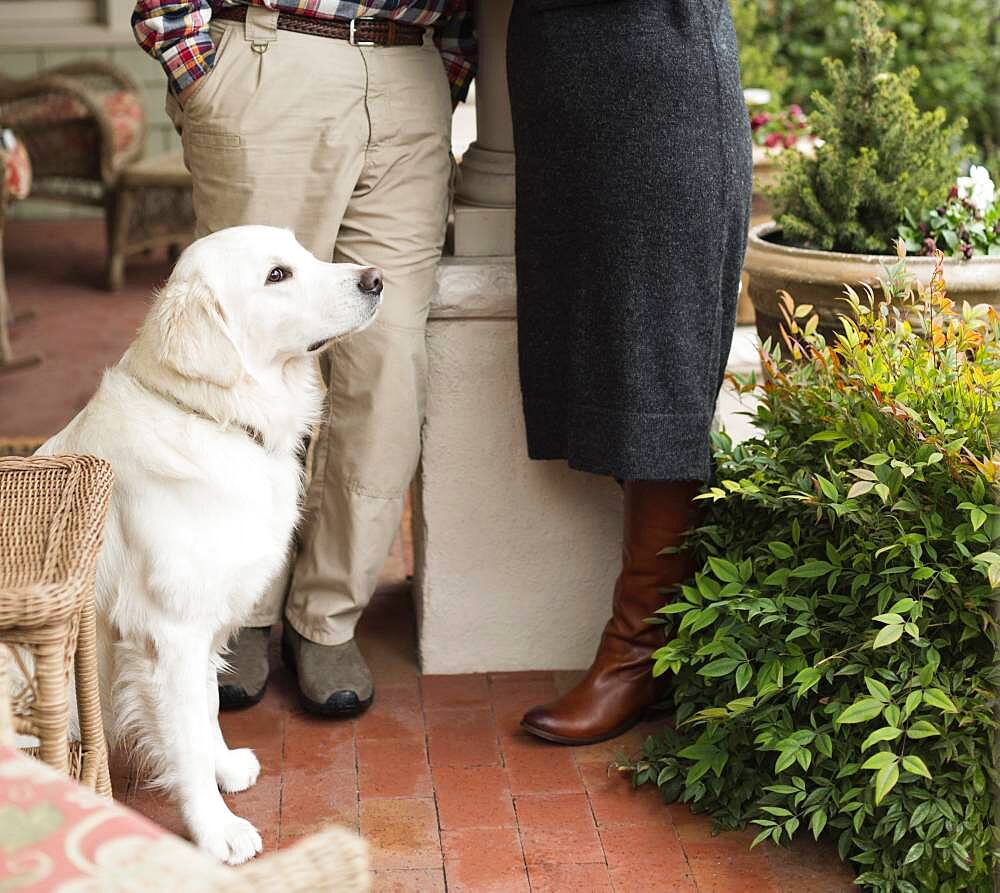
<point>201,515</point>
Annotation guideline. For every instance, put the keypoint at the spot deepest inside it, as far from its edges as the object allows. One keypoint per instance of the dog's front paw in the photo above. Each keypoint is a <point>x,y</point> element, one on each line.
<point>236,770</point>
<point>233,840</point>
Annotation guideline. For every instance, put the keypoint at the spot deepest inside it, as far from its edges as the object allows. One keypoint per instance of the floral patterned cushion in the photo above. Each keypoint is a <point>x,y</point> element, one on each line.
<point>16,166</point>
<point>59,837</point>
<point>126,118</point>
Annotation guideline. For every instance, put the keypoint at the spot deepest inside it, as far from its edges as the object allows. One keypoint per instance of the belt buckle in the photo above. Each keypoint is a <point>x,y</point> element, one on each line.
<point>352,37</point>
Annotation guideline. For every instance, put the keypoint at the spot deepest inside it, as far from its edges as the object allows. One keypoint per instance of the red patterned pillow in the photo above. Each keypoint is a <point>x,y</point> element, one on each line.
<point>16,166</point>
<point>127,119</point>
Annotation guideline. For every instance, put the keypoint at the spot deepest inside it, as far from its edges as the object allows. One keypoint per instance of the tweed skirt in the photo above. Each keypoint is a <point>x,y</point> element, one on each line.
<point>633,202</point>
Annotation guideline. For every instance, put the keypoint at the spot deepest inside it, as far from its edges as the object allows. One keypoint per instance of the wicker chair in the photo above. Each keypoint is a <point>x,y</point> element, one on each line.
<point>82,124</point>
<point>52,512</point>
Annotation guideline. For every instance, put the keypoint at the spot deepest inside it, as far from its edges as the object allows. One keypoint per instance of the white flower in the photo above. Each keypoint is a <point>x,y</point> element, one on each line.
<point>756,96</point>
<point>977,188</point>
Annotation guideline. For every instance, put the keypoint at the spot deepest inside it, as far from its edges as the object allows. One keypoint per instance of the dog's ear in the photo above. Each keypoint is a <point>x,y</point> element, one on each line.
<point>193,337</point>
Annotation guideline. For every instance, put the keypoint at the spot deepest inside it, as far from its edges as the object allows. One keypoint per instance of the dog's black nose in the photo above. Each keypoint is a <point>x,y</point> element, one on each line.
<point>371,281</point>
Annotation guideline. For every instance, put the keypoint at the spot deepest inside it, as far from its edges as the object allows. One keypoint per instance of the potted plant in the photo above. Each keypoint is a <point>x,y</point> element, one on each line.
<point>880,169</point>
<point>834,658</point>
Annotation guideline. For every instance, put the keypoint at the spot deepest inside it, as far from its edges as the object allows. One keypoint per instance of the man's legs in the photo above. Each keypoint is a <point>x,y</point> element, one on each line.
<point>368,451</point>
<point>387,134</point>
<point>277,135</point>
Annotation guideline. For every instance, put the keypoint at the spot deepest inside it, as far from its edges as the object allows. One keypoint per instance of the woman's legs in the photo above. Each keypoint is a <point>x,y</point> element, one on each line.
<point>619,685</point>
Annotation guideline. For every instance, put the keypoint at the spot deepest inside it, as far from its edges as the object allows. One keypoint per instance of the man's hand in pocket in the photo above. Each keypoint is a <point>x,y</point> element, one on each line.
<point>189,91</point>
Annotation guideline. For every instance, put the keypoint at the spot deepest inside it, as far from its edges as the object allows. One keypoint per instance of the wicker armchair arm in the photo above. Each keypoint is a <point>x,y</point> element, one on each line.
<point>95,68</point>
<point>22,89</point>
<point>334,860</point>
<point>39,604</point>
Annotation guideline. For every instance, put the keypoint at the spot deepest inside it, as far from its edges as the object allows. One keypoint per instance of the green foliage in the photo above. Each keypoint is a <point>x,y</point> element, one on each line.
<point>954,43</point>
<point>880,156</point>
<point>759,49</point>
<point>835,657</point>
<point>961,227</point>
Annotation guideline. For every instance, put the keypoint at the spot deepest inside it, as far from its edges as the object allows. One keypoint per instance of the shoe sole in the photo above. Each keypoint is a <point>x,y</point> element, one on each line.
<point>327,709</point>
<point>644,714</point>
<point>229,700</point>
<point>332,710</point>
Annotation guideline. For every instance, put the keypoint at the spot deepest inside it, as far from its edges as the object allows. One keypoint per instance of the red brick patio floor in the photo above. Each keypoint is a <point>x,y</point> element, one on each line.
<point>437,775</point>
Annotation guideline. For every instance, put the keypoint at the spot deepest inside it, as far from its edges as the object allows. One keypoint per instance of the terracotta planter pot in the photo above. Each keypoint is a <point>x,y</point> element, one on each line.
<point>766,167</point>
<point>765,172</point>
<point>818,278</point>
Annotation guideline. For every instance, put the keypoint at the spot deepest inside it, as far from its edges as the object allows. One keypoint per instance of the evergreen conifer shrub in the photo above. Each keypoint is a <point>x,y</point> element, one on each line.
<point>880,156</point>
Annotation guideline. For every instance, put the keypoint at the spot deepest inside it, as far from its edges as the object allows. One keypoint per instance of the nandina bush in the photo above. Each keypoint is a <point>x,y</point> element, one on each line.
<point>834,663</point>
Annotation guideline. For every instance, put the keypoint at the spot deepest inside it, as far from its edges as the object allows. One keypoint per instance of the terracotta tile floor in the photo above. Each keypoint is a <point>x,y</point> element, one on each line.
<point>437,775</point>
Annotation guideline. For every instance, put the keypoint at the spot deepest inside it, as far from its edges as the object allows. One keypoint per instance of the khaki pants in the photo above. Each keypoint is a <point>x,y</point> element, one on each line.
<point>350,148</point>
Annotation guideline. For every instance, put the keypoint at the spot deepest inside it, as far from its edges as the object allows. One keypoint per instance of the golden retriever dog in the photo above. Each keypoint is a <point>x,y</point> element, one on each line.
<point>203,421</point>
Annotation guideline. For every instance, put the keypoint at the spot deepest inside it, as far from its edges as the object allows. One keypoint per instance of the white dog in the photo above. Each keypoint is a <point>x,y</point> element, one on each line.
<point>202,421</point>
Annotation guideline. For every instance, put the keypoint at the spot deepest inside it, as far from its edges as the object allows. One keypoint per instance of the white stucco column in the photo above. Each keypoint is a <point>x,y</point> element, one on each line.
<point>515,559</point>
<point>484,200</point>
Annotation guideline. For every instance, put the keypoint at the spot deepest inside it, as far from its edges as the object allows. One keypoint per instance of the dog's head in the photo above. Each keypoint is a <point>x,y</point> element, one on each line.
<point>249,297</point>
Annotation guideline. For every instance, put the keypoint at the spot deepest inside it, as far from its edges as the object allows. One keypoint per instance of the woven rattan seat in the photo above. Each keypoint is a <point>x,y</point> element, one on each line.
<point>52,512</point>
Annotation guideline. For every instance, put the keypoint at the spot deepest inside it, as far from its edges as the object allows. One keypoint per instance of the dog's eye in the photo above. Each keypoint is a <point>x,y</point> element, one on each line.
<point>279,274</point>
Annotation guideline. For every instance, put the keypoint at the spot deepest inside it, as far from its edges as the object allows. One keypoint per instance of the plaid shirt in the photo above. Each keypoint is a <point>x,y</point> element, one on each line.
<point>176,34</point>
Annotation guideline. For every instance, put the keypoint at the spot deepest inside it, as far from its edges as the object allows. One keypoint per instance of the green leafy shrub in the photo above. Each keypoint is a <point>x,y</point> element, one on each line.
<point>880,156</point>
<point>954,43</point>
<point>759,49</point>
<point>835,658</point>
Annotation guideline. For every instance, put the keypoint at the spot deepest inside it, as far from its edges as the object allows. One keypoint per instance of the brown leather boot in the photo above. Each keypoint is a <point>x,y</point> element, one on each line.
<point>619,686</point>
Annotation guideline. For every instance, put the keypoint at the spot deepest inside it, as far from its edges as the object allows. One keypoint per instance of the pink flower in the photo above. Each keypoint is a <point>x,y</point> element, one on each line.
<point>790,140</point>
<point>759,120</point>
<point>796,111</point>
<point>772,140</point>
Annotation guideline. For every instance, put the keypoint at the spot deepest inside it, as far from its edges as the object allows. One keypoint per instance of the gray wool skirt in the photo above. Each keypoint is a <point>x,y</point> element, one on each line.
<point>633,202</point>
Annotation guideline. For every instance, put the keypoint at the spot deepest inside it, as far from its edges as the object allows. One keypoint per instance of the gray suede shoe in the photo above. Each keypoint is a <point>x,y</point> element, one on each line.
<point>244,683</point>
<point>334,680</point>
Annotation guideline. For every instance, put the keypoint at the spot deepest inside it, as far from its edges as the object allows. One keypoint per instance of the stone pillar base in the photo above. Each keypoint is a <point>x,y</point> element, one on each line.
<point>488,176</point>
<point>482,232</point>
<point>515,559</point>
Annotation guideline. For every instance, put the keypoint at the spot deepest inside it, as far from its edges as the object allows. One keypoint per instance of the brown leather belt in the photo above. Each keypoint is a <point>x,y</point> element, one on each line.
<point>370,32</point>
